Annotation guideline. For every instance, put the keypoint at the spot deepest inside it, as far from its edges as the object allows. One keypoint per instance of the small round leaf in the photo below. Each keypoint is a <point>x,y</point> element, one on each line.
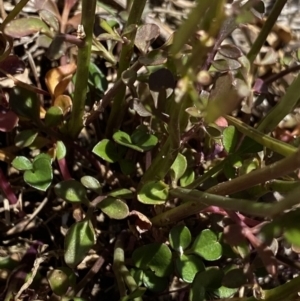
<point>154,283</point>
<point>123,193</point>
<point>180,238</point>
<point>79,239</point>
<point>207,246</point>
<point>40,177</point>
<point>21,163</point>
<point>187,178</point>
<point>211,279</point>
<point>178,167</point>
<point>54,116</point>
<point>61,150</point>
<point>153,193</point>
<point>230,139</point>
<point>106,150</point>
<point>143,140</point>
<point>25,138</point>
<point>114,208</point>
<point>188,266</point>
<point>71,190</point>
<point>60,280</point>
<point>155,256</point>
<point>91,183</point>
<point>235,278</point>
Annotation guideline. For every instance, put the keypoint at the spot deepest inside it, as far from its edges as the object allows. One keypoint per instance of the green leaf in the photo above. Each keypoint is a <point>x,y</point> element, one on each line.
<point>139,141</point>
<point>155,256</point>
<point>22,27</point>
<point>292,234</point>
<point>123,193</point>
<point>61,150</point>
<point>127,166</point>
<point>153,193</point>
<point>230,139</point>
<point>178,168</point>
<point>114,208</point>
<point>25,138</point>
<point>225,292</point>
<point>137,275</point>
<point>25,103</point>
<point>188,177</point>
<point>60,280</point>
<point>214,131</point>
<point>139,292</point>
<point>43,156</point>
<point>155,283</point>
<point>207,246</point>
<point>54,116</point>
<point>123,138</point>
<point>21,163</point>
<point>188,266</point>
<point>71,190</point>
<point>97,80</point>
<point>235,278</point>
<point>106,150</point>
<point>143,140</point>
<point>91,183</point>
<point>180,238</point>
<point>197,293</point>
<point>211,279</point>
<point>79,239</point>
<point>249,146</point>
<point>40,177</point>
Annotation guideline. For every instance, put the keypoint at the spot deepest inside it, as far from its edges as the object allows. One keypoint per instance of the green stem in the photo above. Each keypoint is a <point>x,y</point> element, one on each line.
<point>16,10</point>
<point>84,54</point>
<point>122,274</point>
<point>118,108</point>
<point>282,108</point>
<point>197,200</point>
<point>273,144</point>
<point>270,22</point>
<point>168,153</point>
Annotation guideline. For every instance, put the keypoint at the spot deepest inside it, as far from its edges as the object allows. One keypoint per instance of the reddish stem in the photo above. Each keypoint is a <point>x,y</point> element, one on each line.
<point>6,188</point>
<point>62,163</point>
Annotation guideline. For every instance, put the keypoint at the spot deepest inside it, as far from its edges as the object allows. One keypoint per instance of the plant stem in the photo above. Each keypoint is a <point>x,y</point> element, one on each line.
<point>88,16</point>
<point>270,22</point>
<point>107,98</point>
<point>118,108</point>
<point>273,144</point>
<point>197,200</point>
<point>282,108</point>
<point>168,153</point>
<point>121,272</point>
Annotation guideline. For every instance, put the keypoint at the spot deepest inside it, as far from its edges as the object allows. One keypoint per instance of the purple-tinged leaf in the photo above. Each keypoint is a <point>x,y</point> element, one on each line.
<point>8,121</point>
<point>12,65</point>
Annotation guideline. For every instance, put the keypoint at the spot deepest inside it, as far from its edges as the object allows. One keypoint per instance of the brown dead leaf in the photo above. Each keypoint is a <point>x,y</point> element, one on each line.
<point>64,102</point>
<point>57,79</point>
<point>140,223</point>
